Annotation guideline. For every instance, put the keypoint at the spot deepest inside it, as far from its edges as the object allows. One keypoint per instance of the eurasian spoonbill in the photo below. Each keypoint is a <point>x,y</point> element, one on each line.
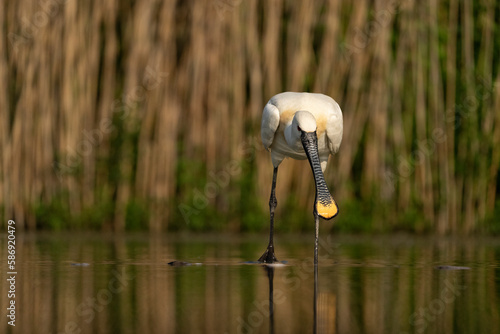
<point>302,126</point>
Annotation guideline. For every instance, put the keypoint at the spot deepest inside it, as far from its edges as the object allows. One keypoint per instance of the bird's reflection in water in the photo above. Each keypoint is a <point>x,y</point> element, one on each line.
<point>324,308</point>
<point>270,276</point>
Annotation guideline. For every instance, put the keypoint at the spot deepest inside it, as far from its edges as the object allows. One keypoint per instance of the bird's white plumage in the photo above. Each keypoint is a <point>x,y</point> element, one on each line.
<point>269,125</point>
<point>278,128</point>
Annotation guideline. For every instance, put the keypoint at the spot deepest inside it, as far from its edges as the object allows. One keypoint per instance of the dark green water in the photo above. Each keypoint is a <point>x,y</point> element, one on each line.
<point>123,284</point>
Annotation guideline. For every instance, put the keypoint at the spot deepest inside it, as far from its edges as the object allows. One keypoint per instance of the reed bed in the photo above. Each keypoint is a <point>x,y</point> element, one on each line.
<point>123,115</point>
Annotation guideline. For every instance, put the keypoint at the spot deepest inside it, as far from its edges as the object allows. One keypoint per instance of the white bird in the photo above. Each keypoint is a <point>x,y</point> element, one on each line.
<point>302,126</point>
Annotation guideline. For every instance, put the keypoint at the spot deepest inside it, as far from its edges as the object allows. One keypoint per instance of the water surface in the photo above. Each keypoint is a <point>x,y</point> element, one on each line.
<point>95,283</point>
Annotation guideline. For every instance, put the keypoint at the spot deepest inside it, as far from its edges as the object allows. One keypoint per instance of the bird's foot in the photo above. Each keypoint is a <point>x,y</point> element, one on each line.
<point>268,256</point>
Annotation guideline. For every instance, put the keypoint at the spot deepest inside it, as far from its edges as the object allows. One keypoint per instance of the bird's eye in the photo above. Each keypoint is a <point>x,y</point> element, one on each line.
<point>298,128</point>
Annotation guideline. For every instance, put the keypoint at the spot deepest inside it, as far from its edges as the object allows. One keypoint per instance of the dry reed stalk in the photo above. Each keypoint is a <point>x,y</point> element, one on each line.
<point>485,67</point>
<point>5,187</point>
<point>495,159</point>
<point>388,73</point>
<point>450,100</point>
<point>354,117</point>
<point>400,190</point>
<point>375,150</point>
<point>435,147</point>
<point>271,41</point>
<point>328,69</point>
<point>423,170</point>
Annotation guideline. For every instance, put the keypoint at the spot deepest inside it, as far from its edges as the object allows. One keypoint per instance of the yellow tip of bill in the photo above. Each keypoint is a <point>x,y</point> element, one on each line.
<point>327,210</point>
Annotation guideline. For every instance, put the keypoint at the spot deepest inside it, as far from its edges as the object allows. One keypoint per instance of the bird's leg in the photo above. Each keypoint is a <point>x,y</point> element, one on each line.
<point>268,256</point>
<point>316,220</point>
<point>315,308</point>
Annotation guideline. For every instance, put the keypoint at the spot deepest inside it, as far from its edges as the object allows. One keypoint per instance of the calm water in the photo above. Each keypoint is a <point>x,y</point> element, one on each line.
<point>123,284</point>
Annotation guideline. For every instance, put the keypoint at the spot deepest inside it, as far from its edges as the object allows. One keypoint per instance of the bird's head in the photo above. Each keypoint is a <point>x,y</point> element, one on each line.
<point>303,121</point>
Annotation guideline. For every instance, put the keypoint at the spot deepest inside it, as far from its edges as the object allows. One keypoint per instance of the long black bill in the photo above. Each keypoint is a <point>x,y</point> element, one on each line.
<point>324,204</point>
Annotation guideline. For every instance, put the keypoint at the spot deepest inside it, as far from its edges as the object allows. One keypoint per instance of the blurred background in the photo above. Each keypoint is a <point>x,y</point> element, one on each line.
<point>145,115</point>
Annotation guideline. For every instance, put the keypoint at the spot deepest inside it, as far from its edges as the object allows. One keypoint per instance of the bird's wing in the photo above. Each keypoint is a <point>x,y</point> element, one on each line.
<point>334,128</point>
<point>269,125</point>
